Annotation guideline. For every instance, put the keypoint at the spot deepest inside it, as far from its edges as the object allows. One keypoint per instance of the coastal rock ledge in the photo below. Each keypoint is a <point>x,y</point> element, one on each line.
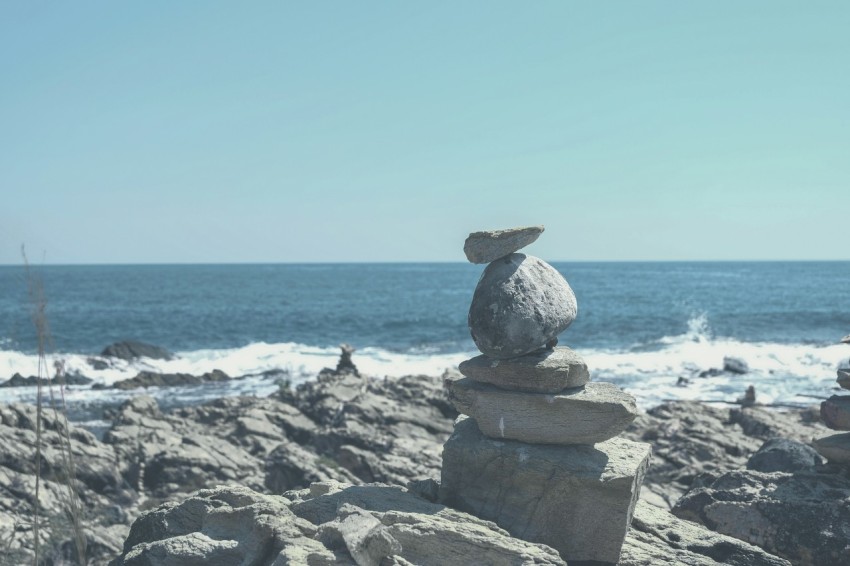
<point>336,524</point>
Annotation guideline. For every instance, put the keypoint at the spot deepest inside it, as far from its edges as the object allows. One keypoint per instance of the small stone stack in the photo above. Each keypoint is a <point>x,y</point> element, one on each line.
<point>537,452</point>
<point>835,412</point>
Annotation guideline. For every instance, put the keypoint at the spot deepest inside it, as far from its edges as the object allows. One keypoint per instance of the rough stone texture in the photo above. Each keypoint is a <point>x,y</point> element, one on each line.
<point>783,455</point>
<point>804,516</point>
<point>657,537</point>
<point>365,537</point>
<point>486,246</point>
<point>835,412</point>
<point>430,534</point>
<point>100,489</point>
<point>520,304</point>
<point>835,448</point>
<point>577,499</point>
<point>692,440</point>
<point>132,349</point>
<point>583,415</point>
<point>223,526</point>
<point>843,379</point>
<point>541,371</point>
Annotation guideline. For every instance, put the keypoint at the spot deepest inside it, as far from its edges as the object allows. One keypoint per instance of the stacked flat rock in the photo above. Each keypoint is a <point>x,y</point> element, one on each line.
<point>835,412</point>
<point>536,452</point>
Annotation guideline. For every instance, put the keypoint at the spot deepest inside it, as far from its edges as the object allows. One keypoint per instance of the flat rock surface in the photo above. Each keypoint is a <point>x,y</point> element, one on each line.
<point>577,499</point>
<point>520,304</point>
<point>835,448</point>
<point>490,245</point>
<point>802,516</point>
<point>835,412</point>
<point>541,371</point>
<point>582,415</point>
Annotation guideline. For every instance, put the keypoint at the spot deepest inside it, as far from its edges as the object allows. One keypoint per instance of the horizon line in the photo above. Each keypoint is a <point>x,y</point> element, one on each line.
<point>411,262</point>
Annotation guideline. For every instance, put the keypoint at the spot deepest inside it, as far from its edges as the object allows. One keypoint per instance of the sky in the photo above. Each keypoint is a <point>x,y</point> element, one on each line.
<point>207,132</point>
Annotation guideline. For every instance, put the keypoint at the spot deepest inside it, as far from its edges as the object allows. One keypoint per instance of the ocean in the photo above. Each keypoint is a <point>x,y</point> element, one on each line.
<point>640,325</point>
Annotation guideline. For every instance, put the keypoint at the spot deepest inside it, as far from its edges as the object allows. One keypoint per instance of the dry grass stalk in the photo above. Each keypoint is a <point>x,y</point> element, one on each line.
<point>38,304</point>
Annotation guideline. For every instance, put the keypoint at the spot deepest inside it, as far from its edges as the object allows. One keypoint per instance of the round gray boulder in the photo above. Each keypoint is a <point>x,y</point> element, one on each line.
<point>521,303</point>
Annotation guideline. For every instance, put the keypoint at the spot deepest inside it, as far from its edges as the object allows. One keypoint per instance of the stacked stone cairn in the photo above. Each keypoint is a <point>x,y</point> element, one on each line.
<point>537,452</point>
<point>835,412</point>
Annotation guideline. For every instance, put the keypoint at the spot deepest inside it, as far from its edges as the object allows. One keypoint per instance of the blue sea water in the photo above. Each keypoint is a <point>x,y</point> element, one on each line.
<point>641,325</point>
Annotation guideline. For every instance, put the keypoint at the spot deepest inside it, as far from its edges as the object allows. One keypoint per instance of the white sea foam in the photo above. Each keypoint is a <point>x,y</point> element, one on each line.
<point>780,372</point>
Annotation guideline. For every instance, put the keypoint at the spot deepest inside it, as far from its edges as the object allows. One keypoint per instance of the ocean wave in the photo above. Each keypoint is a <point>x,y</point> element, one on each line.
<point>651,372</point>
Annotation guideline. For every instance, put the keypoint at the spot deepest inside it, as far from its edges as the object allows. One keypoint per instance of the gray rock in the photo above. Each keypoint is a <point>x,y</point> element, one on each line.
<point>153,379</point>
<point>835,412</point>
<point>690,439</point>
<point>843,379</point>
<point>430,534</point>
<point>542,371</point>
<point>577,499</point>
<point>520,304</point>
<point>657,537</point>
<point>486,246</point>
<point>366,538</point>
<point>846,339</point>
<point>835,448</point>
<point>783,455</point>
<point>228,525</point>
<point>582,415</point>
<point>132,349</point>
<point>735,365</point>
<point>803,517</point>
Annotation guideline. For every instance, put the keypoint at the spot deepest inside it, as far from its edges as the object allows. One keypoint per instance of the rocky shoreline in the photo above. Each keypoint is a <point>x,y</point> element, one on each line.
<point>376,444</point>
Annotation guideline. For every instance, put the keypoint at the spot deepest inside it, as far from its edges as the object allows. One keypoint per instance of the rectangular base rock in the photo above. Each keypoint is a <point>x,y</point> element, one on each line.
<point>577,499</point>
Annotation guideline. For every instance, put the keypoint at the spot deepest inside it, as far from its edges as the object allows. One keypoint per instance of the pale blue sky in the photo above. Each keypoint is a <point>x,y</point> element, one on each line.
<point>384,131</point>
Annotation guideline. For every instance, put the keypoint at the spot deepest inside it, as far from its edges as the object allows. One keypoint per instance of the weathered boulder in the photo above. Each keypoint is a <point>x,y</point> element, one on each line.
<point>541,371</point>
<point>132,349</point>
<point>289,466</point>
<point>657,537</point>
<point>803,517</point>
<point>583,415</point>
<point>835,448</point>
<point>228,525</point>
<point>835,412</point>
<point>577,499</point>
<point>783,455</point>
<point>490,245</point>
<point>520,304</point>
<point>429,534</point>
<point>735,365</point>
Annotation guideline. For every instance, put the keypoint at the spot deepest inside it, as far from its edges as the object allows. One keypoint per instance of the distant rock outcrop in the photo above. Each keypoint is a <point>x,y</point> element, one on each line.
<point>132,349</point>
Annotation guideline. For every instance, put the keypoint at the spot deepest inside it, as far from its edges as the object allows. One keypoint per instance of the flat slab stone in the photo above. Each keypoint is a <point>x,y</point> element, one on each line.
<point>843,379</point>
<point>835,412</point>
<point>490,245</point>
<point>521,304</point>
<point>835,448</point>
<point>577,499</point>
<point>542,371</point>
<point>582,415</point>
